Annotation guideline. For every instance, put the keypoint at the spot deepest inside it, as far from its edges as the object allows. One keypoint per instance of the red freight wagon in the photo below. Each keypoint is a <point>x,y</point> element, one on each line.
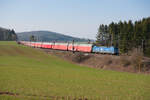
<point>72,47</point>
<point>22,42</point>
<point>38,44</point>
<point>32,44</point>
<point>84,47</point>
<point>28,43</point>
<point>46,45</point>
<point>80,47</point>
<point>60,46</point>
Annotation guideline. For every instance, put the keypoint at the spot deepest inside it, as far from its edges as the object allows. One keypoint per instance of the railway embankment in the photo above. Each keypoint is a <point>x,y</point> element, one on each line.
<point>134,62</point>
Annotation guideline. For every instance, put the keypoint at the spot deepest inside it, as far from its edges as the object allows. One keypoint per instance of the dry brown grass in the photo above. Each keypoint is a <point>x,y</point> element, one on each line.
<point>125,61</point>
<point>137,59</point>
<point>80,57</point>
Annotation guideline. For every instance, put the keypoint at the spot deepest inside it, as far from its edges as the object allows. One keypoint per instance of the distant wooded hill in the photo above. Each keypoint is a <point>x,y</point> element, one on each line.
<point>47,36</point>
<point>7,34</point>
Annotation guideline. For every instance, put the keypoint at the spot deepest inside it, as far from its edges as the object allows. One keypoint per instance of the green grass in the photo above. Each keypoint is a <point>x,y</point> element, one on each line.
<point>34,75</point>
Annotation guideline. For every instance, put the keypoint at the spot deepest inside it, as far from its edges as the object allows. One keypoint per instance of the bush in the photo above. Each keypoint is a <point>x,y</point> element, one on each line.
<point>107,60</point>
<point>79,57</point>
<point>125,61</point>
<point>137,59</point>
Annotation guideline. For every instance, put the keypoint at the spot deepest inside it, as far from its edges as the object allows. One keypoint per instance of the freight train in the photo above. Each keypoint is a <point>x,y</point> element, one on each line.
<point>75,47</point>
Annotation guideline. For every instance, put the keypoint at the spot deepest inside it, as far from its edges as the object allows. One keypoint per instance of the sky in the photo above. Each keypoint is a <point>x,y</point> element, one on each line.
<point>79,18</point>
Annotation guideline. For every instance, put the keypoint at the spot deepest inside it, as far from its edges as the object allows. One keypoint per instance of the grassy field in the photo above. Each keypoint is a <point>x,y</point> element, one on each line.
<point>31,74</point>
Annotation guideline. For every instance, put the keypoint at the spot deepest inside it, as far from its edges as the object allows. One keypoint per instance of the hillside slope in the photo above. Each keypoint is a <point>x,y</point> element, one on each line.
<point>47,36</point>
<point>31,74</point>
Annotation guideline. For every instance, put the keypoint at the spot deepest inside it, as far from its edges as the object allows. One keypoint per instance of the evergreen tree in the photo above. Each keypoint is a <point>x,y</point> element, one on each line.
<point>7,35</point>
<point>103,35</point>
<point>32,38</point>
<point>126,35</point>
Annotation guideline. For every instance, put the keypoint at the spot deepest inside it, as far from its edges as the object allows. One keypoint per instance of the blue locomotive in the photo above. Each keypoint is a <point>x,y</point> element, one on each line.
<point>105,50</point>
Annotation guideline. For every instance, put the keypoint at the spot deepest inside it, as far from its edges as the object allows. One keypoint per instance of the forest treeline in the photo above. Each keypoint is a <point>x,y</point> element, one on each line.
<point>7,34</point>
<point>126,35</point>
